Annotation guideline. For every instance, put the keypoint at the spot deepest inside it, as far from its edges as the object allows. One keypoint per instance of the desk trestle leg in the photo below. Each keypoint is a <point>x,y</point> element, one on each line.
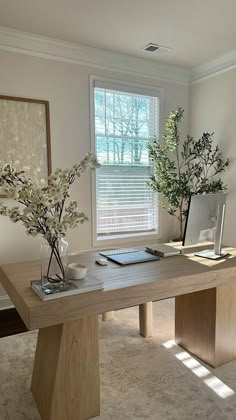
<point>108,316</point>
<point>145,319</point>
<point>205,323</point>
<point>65,382</point>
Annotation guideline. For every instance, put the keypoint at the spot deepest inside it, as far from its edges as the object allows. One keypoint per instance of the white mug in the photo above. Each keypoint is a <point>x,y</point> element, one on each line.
<point>76,271</point>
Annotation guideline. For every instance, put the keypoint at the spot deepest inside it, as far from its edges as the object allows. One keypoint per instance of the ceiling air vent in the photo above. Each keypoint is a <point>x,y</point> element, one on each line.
<point>155,48</point>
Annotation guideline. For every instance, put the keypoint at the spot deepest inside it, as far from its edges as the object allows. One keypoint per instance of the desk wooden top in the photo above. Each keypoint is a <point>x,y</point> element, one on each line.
<point>123,286</point>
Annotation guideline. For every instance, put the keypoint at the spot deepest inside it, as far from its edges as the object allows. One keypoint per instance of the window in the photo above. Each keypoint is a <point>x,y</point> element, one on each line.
<point>125,122</point>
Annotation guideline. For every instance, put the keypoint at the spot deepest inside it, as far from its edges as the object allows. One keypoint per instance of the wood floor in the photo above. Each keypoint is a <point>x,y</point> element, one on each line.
<point>10,323</point>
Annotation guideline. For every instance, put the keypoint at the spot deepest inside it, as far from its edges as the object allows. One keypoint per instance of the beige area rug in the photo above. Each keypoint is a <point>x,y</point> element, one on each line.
<point>140,378</point>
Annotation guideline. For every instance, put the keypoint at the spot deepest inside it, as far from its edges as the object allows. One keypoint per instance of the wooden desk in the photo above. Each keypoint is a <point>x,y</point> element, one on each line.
<point>65,381</point>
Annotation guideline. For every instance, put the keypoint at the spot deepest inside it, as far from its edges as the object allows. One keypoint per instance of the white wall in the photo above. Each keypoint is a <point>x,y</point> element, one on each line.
<point>212,108</point>
<point>66,86</point>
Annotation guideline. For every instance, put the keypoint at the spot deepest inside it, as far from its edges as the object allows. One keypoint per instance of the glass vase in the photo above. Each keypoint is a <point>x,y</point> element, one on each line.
<point>54,263</point>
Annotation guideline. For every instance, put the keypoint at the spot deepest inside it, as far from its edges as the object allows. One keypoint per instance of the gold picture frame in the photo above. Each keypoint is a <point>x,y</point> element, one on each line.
<point>25,135</point>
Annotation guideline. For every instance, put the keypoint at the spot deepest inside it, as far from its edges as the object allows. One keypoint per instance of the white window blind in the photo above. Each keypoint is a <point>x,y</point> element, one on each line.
<point>125,123</point>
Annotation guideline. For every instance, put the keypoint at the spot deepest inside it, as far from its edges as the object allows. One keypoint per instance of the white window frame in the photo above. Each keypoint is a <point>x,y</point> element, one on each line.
<point>123,238</point>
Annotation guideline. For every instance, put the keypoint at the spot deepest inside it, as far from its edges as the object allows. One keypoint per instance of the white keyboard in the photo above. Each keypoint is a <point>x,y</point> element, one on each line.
<point>119,251</point>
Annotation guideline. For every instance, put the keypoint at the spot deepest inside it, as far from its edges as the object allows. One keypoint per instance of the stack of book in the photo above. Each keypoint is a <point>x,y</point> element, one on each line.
<point>163,250</point>
<point>88,284</point>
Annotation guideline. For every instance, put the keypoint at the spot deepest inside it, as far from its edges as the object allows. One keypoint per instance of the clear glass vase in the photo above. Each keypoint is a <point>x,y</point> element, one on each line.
<point>54,263</point>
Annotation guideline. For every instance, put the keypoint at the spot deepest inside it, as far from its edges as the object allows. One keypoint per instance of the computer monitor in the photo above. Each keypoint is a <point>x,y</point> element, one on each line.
<point>205,222</point>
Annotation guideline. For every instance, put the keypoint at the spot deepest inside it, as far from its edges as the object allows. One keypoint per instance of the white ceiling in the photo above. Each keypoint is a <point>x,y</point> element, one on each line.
<point>197,30</point>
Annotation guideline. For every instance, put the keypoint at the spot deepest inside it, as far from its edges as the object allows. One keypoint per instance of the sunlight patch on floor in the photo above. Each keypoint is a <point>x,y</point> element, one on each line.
<point>214,383</point>
<point>169,344</point>
<point>219,387</point>
<point>200,371</point>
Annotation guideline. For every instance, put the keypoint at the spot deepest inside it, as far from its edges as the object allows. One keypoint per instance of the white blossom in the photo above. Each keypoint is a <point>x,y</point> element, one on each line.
<point>42,205</point>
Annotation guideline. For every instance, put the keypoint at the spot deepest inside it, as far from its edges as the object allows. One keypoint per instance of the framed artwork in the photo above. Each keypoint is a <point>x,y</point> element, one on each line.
<point>25,135</point>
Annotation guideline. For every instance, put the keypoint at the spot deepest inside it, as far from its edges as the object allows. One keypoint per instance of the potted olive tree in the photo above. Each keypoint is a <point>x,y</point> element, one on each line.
<point>184,166</point>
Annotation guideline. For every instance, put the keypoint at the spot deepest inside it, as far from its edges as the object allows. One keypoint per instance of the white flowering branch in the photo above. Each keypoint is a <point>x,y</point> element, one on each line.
<point>42,208</point>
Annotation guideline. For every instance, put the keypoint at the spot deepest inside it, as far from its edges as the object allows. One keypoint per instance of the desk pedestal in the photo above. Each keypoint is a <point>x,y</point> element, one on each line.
<point>205,323</point>
<point>65,382</point>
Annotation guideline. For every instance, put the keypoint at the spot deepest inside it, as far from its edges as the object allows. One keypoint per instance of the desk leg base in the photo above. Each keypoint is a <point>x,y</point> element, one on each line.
<point>145,319</point>
<point>108,316</point>
<point>65,382</point>
<point>205,323</point>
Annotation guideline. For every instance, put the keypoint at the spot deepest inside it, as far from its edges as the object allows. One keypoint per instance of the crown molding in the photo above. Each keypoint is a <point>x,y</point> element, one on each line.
<point>213,68</point>
<point>53,49</point>
<point>68,52</point>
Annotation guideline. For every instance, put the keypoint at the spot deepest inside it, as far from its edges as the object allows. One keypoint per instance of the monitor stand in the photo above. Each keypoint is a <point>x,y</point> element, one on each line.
<point>217,252</point>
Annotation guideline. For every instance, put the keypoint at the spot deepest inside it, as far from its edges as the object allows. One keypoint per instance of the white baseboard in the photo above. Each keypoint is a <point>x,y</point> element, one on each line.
<point>5,302</point>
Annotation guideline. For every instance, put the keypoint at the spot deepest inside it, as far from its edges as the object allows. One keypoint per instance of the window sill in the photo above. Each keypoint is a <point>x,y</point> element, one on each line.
<point>115,240</point>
